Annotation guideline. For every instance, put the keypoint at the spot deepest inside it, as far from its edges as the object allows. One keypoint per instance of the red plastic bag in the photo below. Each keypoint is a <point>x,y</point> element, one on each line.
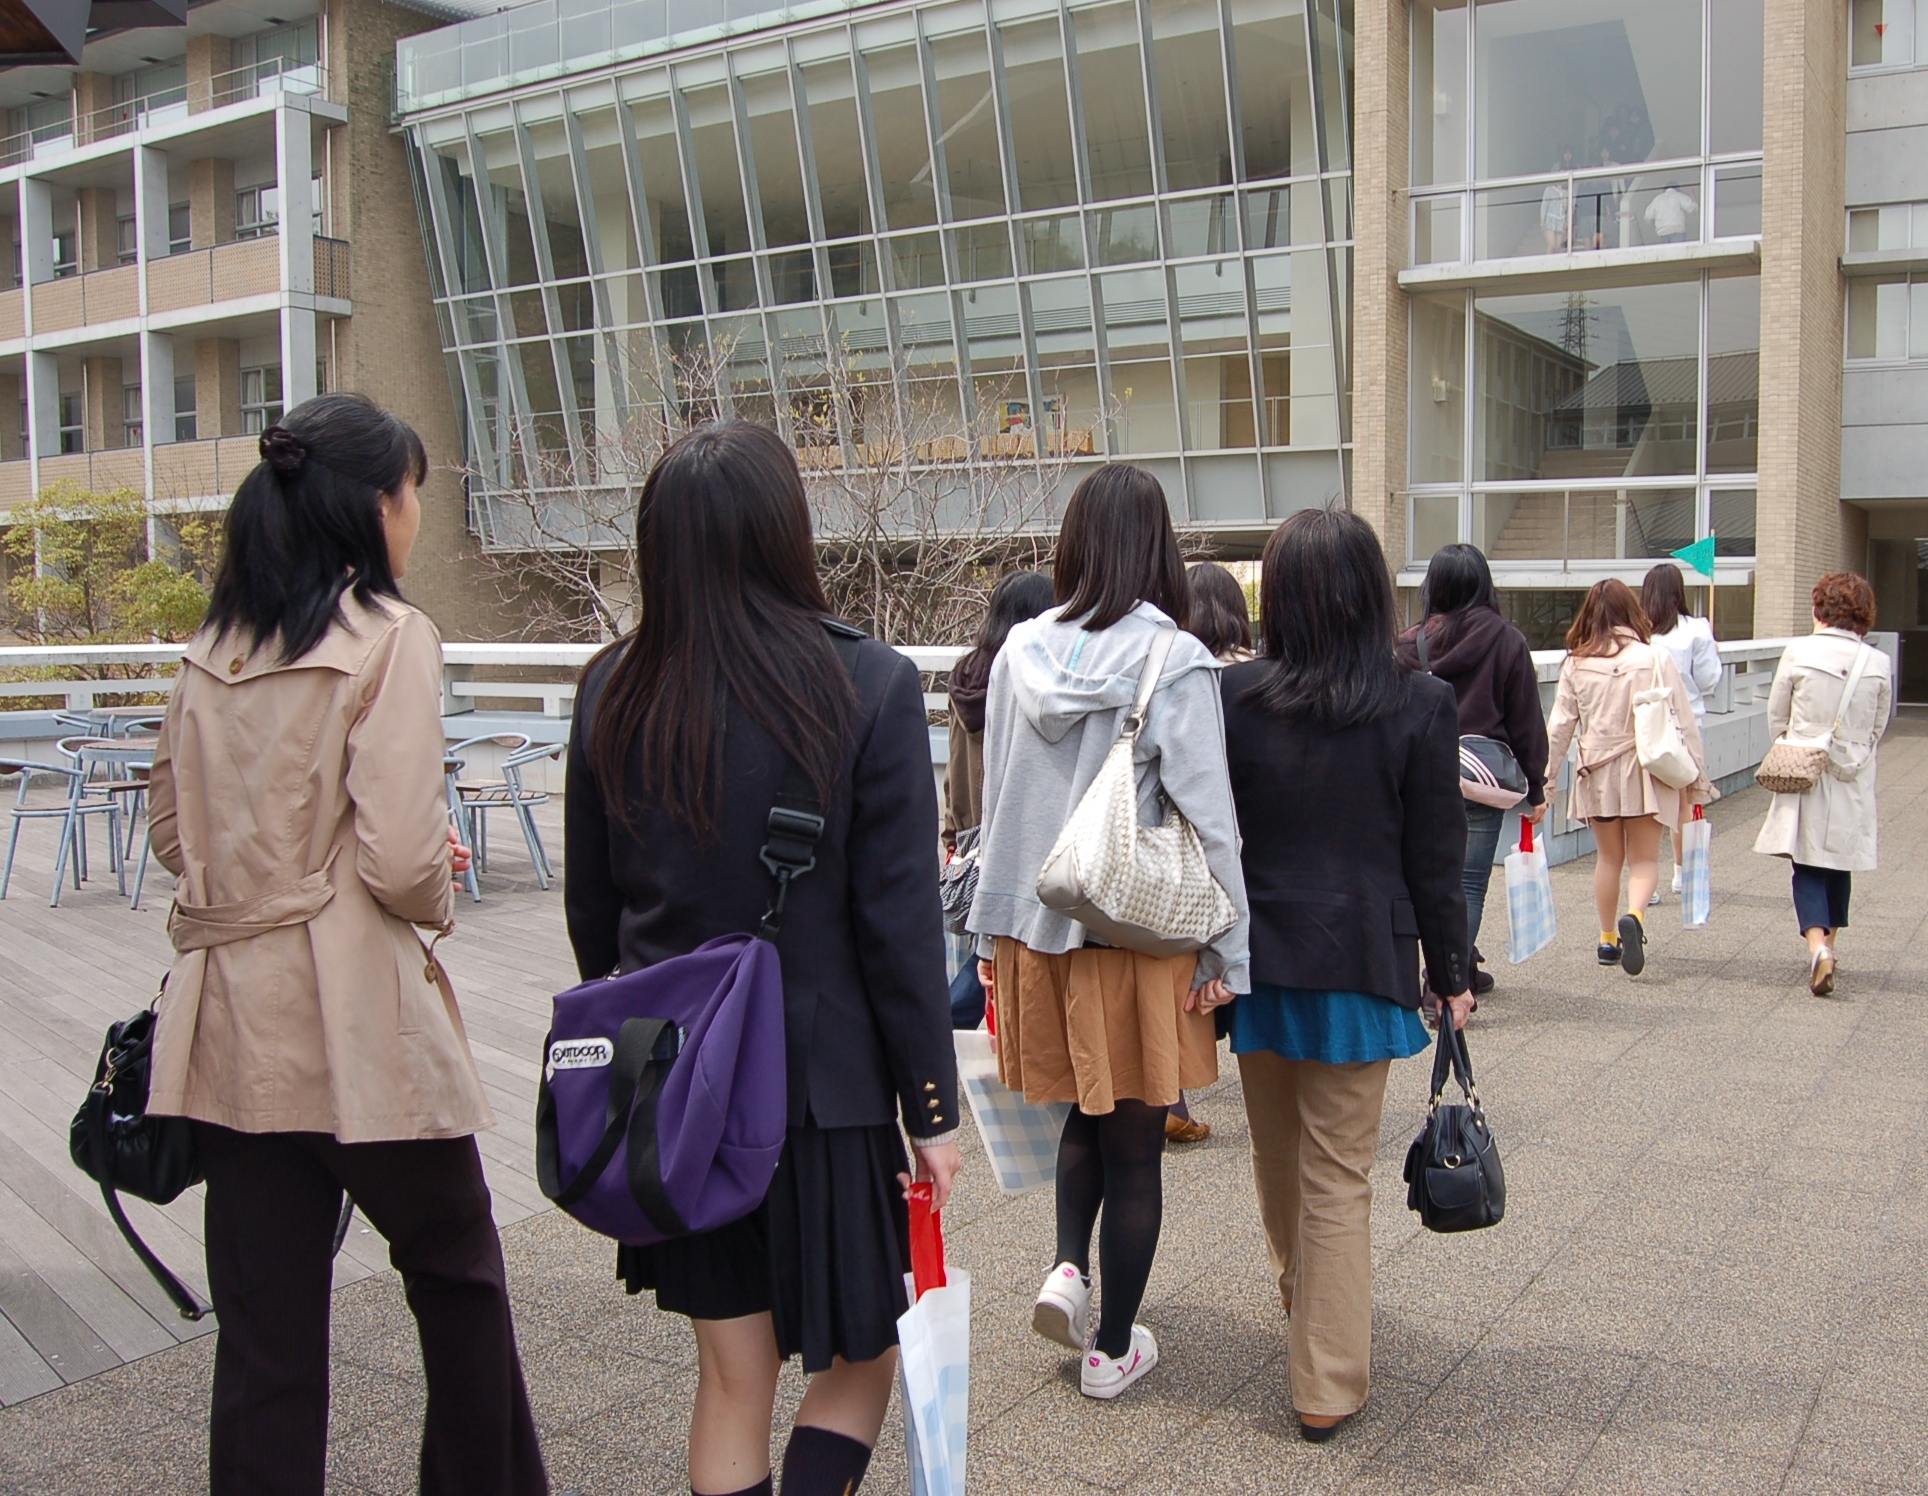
<point>926,1242</point>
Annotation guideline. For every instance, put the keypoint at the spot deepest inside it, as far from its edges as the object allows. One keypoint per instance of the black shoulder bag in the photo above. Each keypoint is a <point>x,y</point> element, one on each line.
<point>116,1144</point>
<point>1453,1175</point>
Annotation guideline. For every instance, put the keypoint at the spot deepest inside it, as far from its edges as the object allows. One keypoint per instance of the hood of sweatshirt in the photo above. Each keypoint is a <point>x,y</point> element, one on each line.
<point>1061,672</point>
<point>1456,644</point>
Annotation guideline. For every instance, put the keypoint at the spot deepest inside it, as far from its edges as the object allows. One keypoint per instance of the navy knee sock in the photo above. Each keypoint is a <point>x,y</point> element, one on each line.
<point>761,1488</point>
<point>821,1463</point>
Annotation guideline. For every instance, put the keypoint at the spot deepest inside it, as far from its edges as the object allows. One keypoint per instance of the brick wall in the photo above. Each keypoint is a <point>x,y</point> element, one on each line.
<point>1381,145</point>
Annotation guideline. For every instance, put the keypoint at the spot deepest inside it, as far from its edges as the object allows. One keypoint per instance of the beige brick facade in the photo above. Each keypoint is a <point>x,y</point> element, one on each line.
<point>1381,145</point>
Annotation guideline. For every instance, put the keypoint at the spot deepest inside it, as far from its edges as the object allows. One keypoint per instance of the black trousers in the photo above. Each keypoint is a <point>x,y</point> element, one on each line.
<point>272,1203</point>
<point>1821,897</point>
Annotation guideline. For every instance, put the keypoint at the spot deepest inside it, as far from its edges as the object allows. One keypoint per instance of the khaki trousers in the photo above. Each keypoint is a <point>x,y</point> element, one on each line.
<point>1315,1128</point>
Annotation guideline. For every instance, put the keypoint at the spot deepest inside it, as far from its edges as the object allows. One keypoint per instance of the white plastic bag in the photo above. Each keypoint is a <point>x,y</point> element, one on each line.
<point>1021,1140</point>
<point>1529,899</point>
<point>1696,871</point>
<point>934,1374</point>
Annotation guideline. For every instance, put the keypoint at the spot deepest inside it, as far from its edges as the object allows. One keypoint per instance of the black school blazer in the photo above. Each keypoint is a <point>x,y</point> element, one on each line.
<point>866,999</point>
<point>1355,841</point>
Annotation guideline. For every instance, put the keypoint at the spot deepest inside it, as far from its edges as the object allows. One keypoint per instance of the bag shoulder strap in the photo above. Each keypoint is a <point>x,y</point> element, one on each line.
<point>101,1151</point>
<point>1855,672</point>
<point>796,821</point>
<point>1161,648</point>
<point>1425,660</point>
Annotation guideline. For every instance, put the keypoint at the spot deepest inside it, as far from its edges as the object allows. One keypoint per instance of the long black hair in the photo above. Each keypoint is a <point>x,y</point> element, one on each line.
<point>731,618</point>
<point>305,526</point>
<point>1458,580</point>
<point>1116,549</point>
<point>1663,597</point>
<point>1221,618</point>
<point>1018,596</point>
<point>1326,617</point>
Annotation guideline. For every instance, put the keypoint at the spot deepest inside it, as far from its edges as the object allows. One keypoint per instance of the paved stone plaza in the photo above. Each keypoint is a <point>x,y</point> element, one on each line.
<point>1707,1281</point>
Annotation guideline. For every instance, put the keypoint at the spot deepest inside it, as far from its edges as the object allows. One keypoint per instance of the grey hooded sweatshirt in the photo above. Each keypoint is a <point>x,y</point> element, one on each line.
<point>1058,695</point>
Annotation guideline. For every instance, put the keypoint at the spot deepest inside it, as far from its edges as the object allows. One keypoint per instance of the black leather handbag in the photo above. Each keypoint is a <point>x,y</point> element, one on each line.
<point>117,1145</point>
<point>1453,1174</point>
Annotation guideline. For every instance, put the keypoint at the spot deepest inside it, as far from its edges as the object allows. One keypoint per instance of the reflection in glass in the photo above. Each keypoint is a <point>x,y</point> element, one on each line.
<point>1190,59</point>
<point>1735,51</point>
<point>1629,524</point>
<point>1737,201</point>
<point>1616,82</point>
<point>510,211</point>
<point>1147,408</point>
<point>1202,226</point>
<point>793,277</point>
<point>1034,83</point>
<point>1520,526</point>
<point>608,190</point>
<point>916,260</point>
<point>1332,62</point>
<point>1436,230</point>
<point>726,222</point>
<point>968,126</point>
<point>1133,302</point>
<point>1878,318</point>
<point>853,269</point>
<point>773,154</point>
<point>838,149</point>
<point>556,185</point>
<point>1268,219</point>
<point>983,252</point>
<point>1111,89</point>
<point>1731,520</point>
<point>1274,92</point>
<point>991,328</point>
<point>1587,383</point>
<point>1123,236</point>
<point>1733,374</point>
<point>1052,243</point>
<point>1435,522</point>
<point>1061,320</point>
<point>1439,91</point>
<point>669,223</point>
<point>735,282</point>
<point>903,136</point>
<point>1438,396</point>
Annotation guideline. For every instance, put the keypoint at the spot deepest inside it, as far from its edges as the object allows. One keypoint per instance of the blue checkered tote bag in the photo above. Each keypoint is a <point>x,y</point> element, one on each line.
<point>1696,871</point>
<point>1021,1140</point>
<point>1529,899</point>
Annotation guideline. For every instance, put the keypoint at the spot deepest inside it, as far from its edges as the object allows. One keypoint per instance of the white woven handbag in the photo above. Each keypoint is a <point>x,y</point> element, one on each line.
<point>1140,888</point>
<point>1658,741</point>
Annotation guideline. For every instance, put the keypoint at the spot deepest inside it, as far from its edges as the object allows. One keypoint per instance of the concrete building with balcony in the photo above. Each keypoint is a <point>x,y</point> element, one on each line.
<point>201,226</point>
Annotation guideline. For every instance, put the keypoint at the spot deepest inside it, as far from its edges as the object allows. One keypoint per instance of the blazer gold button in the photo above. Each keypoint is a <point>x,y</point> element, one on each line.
<point>932,1103</point>
<point>930,1085</point>
<point>235,664</point>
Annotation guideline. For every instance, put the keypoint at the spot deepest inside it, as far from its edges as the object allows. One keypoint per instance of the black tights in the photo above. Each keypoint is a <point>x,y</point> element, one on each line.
<point>1115,1160</point>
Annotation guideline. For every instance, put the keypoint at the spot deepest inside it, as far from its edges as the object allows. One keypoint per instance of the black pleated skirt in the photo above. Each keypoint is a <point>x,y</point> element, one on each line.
<point>825,1253</point>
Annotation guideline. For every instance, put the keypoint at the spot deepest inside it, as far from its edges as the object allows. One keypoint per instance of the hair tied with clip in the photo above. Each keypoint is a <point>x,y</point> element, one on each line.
<point>282,450</point>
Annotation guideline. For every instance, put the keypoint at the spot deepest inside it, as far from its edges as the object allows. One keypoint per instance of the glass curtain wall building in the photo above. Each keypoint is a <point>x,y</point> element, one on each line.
<point>1585,288</point>
<point>1071,230</point>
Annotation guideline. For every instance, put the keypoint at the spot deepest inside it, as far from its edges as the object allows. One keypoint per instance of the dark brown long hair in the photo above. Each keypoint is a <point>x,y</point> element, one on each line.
<point>1663,597</point>
<point>1116,549</point>
<point>1608,605</point>
<point>1221,617</point>
<point>731,619</point>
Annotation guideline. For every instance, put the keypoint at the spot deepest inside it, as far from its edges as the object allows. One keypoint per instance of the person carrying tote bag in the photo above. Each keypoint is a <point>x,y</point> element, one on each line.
<point>1831,699</point>
<point>1083,1017</point>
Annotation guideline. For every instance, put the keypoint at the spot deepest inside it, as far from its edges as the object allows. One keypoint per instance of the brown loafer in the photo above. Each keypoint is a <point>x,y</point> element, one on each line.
<point>1181,1130</point>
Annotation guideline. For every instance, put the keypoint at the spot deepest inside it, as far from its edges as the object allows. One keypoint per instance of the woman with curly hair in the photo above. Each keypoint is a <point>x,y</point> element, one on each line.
<point>1828,831</point>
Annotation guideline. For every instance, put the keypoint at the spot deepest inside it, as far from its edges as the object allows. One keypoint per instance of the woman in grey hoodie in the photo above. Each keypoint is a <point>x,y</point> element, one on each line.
<point>1114,1032</point>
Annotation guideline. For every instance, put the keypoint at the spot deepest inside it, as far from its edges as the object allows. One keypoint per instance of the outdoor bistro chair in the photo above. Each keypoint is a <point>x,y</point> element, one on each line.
<point>82,800</point>
<point>458,818</point>
<point>128,762</point>
<point>473,799</point>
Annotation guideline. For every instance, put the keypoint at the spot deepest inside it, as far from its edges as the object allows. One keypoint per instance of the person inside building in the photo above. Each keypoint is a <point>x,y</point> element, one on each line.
<point>1609,659</point>
<point>1019,595</point>
<point>1828,831</point>
<point>684,731</point>
<point>1690,641</point>
<point>1470,646</point>
<point>1345,772</point>
<point>306,1026</point>
<point>1116,1033</point>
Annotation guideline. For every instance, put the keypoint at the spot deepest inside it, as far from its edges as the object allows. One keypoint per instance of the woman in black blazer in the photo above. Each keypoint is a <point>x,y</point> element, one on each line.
<point>683,734</point>
<point>1345,772</point>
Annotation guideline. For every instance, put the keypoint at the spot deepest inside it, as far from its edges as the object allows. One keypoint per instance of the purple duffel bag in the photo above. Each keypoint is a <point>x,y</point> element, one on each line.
<point>663,1103</point>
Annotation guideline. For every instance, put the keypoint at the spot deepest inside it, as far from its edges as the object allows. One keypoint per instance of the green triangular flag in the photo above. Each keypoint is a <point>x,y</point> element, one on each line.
<point>1699,555</point>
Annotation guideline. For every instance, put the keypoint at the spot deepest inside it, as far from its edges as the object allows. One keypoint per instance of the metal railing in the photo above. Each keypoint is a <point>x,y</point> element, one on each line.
<point>331,268</point>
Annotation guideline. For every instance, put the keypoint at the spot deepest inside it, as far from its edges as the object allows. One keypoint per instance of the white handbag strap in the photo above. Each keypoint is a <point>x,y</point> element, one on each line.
<point>1161,648</point>
<point>1847,691</point>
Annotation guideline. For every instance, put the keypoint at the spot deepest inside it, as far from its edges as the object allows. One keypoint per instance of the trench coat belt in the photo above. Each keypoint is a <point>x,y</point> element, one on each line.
<point>198,927</point>
<point>1621,752</point>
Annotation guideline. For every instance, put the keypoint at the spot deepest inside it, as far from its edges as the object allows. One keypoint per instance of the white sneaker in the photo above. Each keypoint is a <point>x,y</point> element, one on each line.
<point>1676,880</point>
<point>1654,897</point>
<point>1100,1376</point>
<point>1063,1312</point>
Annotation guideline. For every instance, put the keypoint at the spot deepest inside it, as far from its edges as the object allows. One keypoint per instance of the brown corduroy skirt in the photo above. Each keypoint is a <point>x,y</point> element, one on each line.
<point>1093,1025</point>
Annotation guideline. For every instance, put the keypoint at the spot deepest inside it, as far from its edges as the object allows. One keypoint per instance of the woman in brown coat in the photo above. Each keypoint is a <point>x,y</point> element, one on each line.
<point>1609,660</point>
<point>306,1025</point>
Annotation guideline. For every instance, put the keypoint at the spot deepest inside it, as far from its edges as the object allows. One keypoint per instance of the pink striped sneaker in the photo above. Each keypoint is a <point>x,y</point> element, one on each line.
<point>1100,1376</point>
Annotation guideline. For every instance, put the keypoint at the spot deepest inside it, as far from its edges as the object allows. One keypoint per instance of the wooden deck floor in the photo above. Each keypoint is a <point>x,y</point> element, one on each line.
<point>73,1299</point>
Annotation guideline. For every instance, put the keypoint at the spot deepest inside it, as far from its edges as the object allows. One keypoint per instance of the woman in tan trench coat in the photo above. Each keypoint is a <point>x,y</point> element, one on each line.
<point>1608,660</point>
<point>306,1026</point>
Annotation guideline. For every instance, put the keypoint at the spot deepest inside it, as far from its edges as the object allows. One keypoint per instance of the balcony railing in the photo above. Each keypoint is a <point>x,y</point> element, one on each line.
<point>227,272</point>
<point>269,76</point>
<point>331,268</point>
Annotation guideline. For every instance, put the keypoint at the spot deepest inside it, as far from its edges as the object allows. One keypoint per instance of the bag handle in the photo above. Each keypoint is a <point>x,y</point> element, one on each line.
<point>98,1100</point>
<point>1450,1055</point>
<point>629,1068</point>
<point>926,1242</point>
<point>1526,834</point>
<point>1161,648</point>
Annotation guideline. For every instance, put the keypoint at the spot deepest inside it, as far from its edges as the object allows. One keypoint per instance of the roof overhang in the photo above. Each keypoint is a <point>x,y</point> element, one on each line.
<point>54,31</point>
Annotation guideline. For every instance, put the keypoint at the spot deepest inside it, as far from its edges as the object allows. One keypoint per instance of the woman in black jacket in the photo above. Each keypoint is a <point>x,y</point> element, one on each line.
<point>682,736</point>
<point>1490,668</point>
<point>1345,772</point>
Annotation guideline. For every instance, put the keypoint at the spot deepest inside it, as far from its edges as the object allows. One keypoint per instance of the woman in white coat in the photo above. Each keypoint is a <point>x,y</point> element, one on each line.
<point>1690,642</point>
<point>1829,831</point>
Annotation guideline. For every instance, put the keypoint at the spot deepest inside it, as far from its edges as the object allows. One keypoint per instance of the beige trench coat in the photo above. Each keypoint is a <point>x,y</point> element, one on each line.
<point>301,807</point>
<point>1594,704</point>
<point>1833,824</point>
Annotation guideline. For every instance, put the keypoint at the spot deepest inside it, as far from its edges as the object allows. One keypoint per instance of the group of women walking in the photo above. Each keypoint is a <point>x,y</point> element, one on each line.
<point>314,1039</point>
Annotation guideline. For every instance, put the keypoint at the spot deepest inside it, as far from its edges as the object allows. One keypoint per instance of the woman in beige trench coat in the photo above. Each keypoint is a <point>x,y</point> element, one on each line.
<point>306,1026</point>
<point>1829,832</point>
<point>1608,660</point>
